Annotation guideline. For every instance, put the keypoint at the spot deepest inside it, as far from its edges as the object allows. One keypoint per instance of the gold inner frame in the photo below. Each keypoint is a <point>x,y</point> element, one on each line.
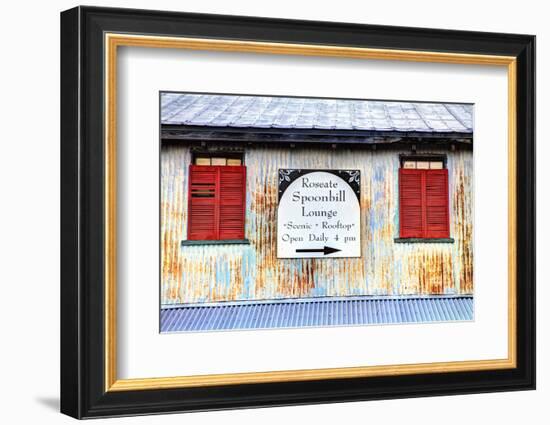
<point>113,41</point>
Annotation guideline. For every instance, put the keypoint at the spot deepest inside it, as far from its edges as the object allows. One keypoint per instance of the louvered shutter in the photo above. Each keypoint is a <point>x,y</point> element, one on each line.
<point>437,204</point>
<point>410,203</point>
<point>232,202</point>
<point>203,203</point>
<point>217,196</point>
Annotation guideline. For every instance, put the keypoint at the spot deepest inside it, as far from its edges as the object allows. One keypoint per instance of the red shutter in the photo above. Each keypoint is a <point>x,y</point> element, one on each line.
<point>217,197</point>
<point>423,203</point>
<point>232,202</point>
<point>437,204</point>
<point>203,211</point>
<point>411,214</point>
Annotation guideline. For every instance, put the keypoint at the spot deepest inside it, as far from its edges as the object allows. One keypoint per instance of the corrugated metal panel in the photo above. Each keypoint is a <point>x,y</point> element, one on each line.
<point>252,272</point>
<point>308,113</point>
<point>314,313</point>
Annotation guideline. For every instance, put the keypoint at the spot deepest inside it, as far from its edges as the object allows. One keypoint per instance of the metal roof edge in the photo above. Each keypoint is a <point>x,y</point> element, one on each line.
<point>182,129</point>
<point>316,299</point>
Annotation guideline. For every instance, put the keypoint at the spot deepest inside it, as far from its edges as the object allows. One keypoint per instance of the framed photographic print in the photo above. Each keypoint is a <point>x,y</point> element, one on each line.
<point>261,212</point>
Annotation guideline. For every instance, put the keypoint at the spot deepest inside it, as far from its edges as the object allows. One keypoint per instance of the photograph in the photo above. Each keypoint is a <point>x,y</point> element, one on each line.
<point>290,212</point>
<point>262,211</point>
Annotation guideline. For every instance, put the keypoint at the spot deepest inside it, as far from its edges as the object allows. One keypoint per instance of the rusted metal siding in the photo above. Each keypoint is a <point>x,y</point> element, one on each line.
<point>245,272</point>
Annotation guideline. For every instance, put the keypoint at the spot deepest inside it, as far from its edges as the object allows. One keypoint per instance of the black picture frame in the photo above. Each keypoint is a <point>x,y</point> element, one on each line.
<point>83,392</point>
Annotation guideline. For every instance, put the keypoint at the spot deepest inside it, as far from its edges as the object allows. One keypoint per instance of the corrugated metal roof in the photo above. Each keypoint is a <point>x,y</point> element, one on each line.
<point>314,313</point>
<point>313,113</point>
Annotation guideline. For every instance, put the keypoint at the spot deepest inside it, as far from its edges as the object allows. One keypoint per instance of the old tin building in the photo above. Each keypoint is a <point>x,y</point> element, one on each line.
<point>413,158</point>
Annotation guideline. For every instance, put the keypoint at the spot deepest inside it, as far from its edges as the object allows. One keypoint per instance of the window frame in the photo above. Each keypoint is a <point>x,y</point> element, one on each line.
<point>217,201</point>
<point>424,236</point>
<point>423,157</point>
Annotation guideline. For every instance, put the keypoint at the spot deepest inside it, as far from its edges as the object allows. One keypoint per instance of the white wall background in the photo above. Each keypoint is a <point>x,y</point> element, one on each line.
<point>29,225</point>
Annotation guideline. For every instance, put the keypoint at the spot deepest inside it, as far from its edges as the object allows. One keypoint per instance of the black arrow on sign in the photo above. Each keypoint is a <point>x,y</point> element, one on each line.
<point>325,250</point>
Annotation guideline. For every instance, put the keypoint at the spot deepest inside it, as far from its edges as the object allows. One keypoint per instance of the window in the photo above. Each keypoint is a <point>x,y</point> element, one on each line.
<point>216,199</point>
<point>217,160</point>
<point>423,199</point>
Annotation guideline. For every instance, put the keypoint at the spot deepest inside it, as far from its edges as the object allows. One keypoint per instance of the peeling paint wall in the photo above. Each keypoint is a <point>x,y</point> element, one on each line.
<point>205,273</point>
